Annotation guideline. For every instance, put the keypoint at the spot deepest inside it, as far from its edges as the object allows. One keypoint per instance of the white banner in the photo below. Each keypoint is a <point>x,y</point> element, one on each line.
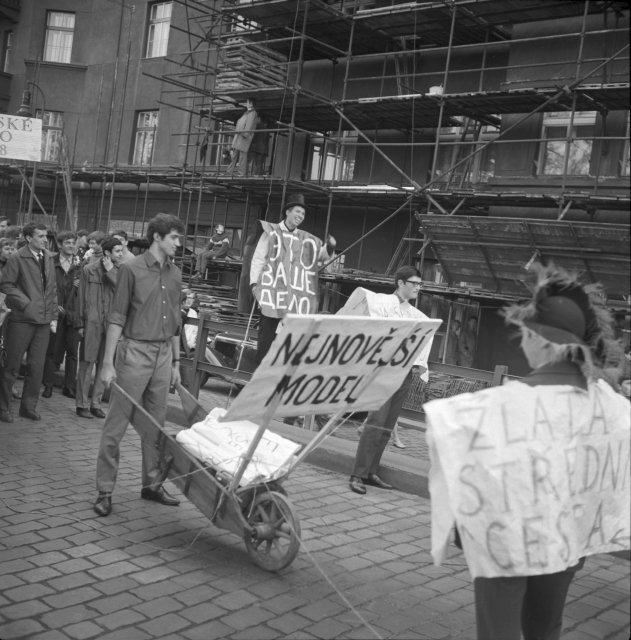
<point>322,363</point>
<point>534,477</point>
<point>20,138</point>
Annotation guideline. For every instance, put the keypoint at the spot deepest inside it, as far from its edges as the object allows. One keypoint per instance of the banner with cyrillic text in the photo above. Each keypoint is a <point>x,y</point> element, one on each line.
<point>322,363</point>
<point>20,138</point>
<point>535,478</point>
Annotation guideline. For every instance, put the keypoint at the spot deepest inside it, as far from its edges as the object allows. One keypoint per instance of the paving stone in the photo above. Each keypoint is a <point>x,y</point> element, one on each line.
<point>113,570</point>
<point>288,623</point>
<point>115,585</point>
<point>20,629</point>
<point>282,603</point>
<point>202,612</point>
<point>83,630</point>
<point>27,592</point>
<point>25,609</point>
<point>157,574</point>
<point>245,617</point>
<point>72,597</point>
<point>158,607</point>
<point>62,617</point>
<point>235,600</point>
<point>72,581</point>
<point>215,630</point>
<point>121,618</point>
<point>196,595</point>
<point>164,624</point>
<point>115,603</point>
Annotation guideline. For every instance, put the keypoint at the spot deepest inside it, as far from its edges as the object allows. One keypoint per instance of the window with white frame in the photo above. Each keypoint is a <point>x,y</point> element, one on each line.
<point>59,36</point>
<point>7,48</point>
<point>52,132</point>
<point>327,164</point>
<point>146,125</point>
<point>563,134</point>
<point>158,29</point>
<point>456,144</point>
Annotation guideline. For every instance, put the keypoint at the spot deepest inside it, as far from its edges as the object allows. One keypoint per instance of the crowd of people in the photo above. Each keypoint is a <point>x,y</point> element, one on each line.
<point>53,310</point>
<point>111,315</point>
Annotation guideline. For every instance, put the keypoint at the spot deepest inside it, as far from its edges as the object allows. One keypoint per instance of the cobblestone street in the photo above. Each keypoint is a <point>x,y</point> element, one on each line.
<point>150,571</point>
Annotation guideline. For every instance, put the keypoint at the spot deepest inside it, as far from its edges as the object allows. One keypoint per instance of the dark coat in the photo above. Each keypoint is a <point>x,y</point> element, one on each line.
<point>21,281</point>
<point>96,290</point>
<point>67,292</point>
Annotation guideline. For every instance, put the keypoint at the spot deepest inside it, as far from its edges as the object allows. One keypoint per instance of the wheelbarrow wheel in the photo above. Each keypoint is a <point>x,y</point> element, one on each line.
<point>274,537</point>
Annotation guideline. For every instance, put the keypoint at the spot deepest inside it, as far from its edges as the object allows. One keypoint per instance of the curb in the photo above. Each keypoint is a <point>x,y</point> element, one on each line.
<point>337,454</point>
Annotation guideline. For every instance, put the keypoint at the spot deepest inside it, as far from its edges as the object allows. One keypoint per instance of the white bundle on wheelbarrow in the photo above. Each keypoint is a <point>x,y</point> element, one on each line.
<point>222,445</point>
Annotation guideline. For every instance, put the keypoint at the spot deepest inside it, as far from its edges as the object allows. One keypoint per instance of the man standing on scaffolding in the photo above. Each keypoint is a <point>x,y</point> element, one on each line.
<point>244,134</point>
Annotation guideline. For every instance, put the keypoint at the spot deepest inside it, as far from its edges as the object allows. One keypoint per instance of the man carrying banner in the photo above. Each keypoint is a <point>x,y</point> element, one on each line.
<point>535,473</point>
<point>284,271</point>
<point>379,424</point>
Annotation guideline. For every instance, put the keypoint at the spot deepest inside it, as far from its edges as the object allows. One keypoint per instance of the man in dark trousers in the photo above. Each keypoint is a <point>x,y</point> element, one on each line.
<point>64,343</point>
<point>96,291</point>
<point>28,281</point>
<point>143,330</point>
<point>284,271</point>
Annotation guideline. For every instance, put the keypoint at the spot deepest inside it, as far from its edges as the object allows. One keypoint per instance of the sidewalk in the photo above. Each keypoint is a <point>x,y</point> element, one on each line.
<point>149,571</point>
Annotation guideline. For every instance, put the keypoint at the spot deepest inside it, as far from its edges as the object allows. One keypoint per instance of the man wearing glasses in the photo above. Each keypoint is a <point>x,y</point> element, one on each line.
<point>379,424</point>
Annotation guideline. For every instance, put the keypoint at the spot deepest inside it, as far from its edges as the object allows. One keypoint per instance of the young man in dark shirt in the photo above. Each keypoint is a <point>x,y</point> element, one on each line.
<point>145,317</point>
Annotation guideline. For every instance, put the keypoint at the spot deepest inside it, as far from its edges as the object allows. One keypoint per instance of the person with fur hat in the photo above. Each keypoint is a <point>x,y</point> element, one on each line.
<point>514,466</point>
<point>284,270</point>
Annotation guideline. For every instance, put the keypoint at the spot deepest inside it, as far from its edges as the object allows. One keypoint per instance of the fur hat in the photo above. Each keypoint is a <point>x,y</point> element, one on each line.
<point>570,316</point>
<point>297,200</point>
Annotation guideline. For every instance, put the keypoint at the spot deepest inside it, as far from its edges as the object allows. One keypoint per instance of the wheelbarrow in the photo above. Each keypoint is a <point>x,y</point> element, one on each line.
<point>260,514</point>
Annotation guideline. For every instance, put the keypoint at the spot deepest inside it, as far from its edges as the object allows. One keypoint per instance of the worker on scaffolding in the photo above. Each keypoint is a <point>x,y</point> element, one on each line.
<point>217,247</point>
<point>244,134</point>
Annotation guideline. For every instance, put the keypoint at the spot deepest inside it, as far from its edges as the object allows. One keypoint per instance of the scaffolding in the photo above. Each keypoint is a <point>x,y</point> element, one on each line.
<point>274,49</point>
<point>424,97</point>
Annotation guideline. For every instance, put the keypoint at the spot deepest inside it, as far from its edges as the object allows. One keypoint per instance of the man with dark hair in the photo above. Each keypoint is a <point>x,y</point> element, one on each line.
<point>82,242</point>
<point>28,280</point>
<point>121,234</point>
<point>218,247</point>
<point>244,133</point>
<point>284,271</point>
<point>379,424</point>
<point>96,290</point>
<point>64,342</point>
<point>144,327</point>
<point>4,224</point>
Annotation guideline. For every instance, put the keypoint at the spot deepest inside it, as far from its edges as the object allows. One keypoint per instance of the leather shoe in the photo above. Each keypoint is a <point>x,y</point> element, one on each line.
<point>375,481</point>
<point>48,391</point>
<point>97,413</point>
<point>31,415</point>
<point>69,393</point>
<point>357,485</point>
<point>159,495</point>
<point>103,504</point>
<point>82,412</point>
<point>6,416</point>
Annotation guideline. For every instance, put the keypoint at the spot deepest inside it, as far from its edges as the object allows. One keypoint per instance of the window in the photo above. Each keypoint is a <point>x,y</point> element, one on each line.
<point>558,127</point>
<point>59,35</point>
<point>456,143</point>
<point>52,132</point>
<point>158,32</point>
<point>326,165</point>
<point>7,47</point>
<point>624,165</point>
<point>146,124</point>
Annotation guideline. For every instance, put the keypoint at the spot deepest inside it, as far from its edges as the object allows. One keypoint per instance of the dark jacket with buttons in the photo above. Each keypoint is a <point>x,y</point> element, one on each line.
<point>21,282</point>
